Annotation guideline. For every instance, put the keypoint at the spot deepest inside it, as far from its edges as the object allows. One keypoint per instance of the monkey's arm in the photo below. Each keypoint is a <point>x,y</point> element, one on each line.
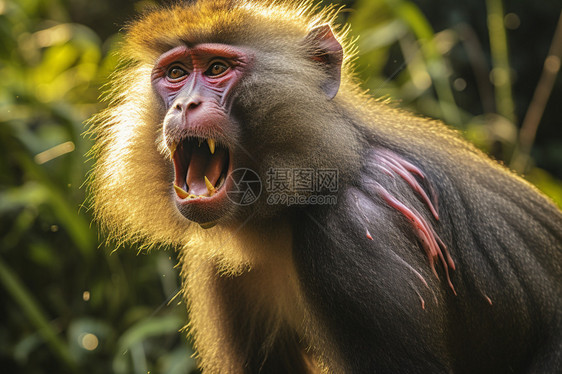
<point>421,256</point>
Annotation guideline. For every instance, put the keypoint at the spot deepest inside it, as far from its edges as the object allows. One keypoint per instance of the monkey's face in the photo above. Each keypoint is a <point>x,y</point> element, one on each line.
<point>229,108</point>
<point>196,86</point>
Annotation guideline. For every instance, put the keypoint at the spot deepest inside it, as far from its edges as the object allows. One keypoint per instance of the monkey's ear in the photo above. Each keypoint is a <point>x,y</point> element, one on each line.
<point>326,49</point>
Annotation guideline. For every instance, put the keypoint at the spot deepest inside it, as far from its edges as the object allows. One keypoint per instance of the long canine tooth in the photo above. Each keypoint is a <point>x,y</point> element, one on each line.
<point>211,143</point>
<point>209,186</point>
<point>172,149</point>
<point>180,192</point>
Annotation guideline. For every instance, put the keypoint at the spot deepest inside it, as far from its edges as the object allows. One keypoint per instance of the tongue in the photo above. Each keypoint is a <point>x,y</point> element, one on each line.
<point>203,164</point>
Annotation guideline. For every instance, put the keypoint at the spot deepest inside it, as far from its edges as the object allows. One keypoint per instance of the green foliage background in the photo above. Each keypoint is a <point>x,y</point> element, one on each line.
<point>69,302</point>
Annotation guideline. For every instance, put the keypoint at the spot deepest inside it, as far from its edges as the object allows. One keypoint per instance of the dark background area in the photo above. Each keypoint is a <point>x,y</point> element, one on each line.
<point>72,302</point>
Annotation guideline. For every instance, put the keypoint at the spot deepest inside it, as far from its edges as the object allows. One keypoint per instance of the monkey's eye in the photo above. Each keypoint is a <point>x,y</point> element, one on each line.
<point>176,72</point>
<point>216,69</point>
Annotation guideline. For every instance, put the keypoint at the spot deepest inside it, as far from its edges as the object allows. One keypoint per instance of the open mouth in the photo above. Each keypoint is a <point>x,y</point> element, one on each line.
<point>201,167</point>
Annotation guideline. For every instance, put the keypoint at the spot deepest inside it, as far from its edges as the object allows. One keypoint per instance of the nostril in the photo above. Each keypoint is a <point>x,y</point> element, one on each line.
<point>192,105</point>
<point>178,107</point>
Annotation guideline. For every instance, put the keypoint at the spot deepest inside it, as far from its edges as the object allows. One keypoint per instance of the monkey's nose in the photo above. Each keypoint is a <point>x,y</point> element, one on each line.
<point>188,105</point>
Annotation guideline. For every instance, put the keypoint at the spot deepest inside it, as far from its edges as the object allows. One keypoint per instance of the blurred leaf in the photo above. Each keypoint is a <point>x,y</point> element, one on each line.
<point>132,340</point>
<point>145,329</point>
<point>34,313</point>
<point>547,184</point>
<point>177,362</point>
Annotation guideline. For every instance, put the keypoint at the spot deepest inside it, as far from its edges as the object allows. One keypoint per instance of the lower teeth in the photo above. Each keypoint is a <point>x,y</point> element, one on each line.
<point>192,196</point>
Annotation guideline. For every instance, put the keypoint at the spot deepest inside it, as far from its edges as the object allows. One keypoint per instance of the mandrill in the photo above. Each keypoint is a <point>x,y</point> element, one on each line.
<point>318,230</point>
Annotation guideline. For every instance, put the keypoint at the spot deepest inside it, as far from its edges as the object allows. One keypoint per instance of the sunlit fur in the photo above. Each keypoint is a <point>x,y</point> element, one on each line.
<point>131,183</point>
